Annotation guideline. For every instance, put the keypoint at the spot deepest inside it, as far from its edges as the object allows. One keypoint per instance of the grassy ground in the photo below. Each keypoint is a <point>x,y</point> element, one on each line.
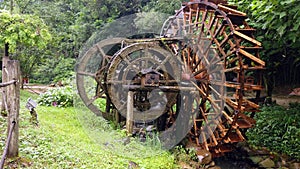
<point>75,138</point>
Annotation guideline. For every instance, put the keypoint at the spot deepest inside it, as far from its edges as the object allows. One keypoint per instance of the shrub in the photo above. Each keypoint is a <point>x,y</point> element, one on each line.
<point>278,129</point>
<point>60,97</point>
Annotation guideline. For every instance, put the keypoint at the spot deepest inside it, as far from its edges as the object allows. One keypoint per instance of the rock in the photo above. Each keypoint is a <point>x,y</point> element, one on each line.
<point>184,165</point>
<point>194,164</point>
<point>214,167</point>
<point>294,166</point>
<point>126,140</point>
<point>256,159</point>
<point>204,156</point>
<point>248,150</point>
<point>267,163</point>
<point>242,144</point>
<point>284,168</point>
<point>132,165</point>
<point>150,128</point>
<point>283,161</point>
<point>210,165</point>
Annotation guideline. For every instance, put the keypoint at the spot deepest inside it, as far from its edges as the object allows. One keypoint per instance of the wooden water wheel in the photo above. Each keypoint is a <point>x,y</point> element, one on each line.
<point>201,78</point>
<point>219,35</point>
<point>90,71</point>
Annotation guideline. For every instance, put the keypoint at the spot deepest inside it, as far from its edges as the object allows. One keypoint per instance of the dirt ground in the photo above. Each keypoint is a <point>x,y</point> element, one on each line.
<point>281,95</point>
<point>37,89</point>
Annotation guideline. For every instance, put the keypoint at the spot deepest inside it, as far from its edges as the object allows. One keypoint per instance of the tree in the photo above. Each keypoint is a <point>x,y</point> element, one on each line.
<point>22,33</point>
<point>164,6</point>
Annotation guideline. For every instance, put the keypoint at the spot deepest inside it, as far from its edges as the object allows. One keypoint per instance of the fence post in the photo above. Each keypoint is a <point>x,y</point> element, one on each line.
<point>13,105</point>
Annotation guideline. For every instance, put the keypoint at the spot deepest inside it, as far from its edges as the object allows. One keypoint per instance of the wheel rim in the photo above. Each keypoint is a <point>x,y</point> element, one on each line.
<point>91,69</point>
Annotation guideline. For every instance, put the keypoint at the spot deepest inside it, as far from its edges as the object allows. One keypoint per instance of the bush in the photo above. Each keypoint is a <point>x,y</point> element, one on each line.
<point>278,129</point>
<point>60,97</point>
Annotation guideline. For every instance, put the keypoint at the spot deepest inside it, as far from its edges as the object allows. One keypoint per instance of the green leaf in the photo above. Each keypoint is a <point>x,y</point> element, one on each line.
<point>282,14</point>
<point>286,2</point>
<point>281,30</point>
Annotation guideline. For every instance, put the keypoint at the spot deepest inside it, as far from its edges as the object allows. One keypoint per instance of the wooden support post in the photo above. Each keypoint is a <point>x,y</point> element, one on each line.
<point>13,105</point>
<point>129,116</point>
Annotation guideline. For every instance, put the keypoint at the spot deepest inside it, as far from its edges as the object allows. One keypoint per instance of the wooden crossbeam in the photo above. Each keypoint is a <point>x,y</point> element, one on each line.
<point>252,57</point>
<point>246,37</point>
<point>227,9</point>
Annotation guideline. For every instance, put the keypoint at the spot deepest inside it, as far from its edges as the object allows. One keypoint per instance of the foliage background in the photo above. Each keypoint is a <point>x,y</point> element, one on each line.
<point>71,23</point>
<point>277,24</point>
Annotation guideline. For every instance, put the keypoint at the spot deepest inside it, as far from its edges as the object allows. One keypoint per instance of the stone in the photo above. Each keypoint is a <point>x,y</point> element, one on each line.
<point>256,159</point>
<point>184,165</point>
<point>204,156</point>
<point>267,163</point>
<point>133,165</point>
<point>284,168</point>
<point>210,165</point>
<point>214,167</point>
<point>294,166</point>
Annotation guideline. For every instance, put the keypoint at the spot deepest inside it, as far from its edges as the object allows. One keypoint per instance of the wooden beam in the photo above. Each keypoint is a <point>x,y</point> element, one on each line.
<point>227,9</point>
<point>246,37</point>
<point>252,57</point>
<point>13,104</point>
<point>129,116</point>
<point>7,83</point>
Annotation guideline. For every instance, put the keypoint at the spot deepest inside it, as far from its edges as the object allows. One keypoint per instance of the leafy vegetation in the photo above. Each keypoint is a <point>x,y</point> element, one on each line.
<point>60,97</point>
<point>71,23</point>
<point>278,129</point>
<point>28,30</point>
<point>277,24</point>
<point>76,138</point>
<point>23,35</point>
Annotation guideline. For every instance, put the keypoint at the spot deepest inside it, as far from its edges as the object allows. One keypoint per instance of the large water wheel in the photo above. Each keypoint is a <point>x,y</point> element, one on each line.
<point>201,79</point>
<point>222,37</point>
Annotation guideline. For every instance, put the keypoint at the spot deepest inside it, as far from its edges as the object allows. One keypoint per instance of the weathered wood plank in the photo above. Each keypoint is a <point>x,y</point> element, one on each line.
<point>227,9</point>
<point>252,57</point>
<point>246,37</point>
<point>129,116</point>
<point>13,104</point>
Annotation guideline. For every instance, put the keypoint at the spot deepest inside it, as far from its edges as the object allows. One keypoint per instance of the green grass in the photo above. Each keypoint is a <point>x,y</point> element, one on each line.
<point>75,138</point>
